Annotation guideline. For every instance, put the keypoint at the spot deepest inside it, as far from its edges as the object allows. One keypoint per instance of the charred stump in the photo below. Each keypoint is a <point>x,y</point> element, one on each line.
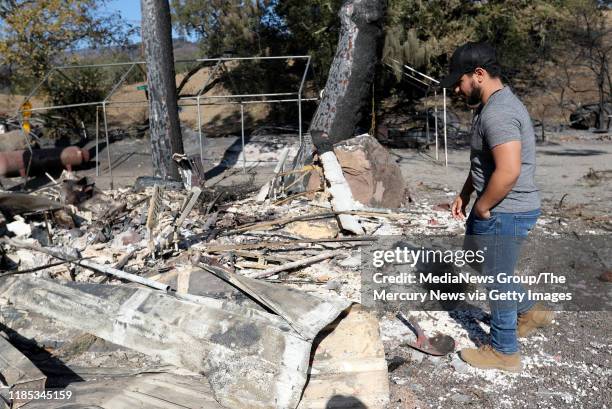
<point>165,130</point>
<point>350,75</point>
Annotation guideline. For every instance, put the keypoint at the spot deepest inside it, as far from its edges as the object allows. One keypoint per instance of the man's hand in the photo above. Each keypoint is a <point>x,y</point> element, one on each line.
<point>480,211</point>
<point>459,205</point>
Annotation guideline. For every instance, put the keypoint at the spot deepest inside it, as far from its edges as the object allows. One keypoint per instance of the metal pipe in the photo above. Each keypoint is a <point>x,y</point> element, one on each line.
<point>300,119</point>
<point>300,98</point>
<point>200,132</point>
<point>217,65</point>
<point>250,102</point>
<point>445,147</point>
<point>82,104</point>
<point>304,75</point>
<point>242,131</point>
<point>427,118</point>
<point>416,79</point>
<point>31,94</point>
<point>89,264</point>
<point>97,140</point>
<point>123,77</point>
<point>110,103</point>
<point>110,64</point>
<point>276,57</point>
<point>436,115</point>
<point>110,166</point>
<point>246,95</point>
<point>418,72</point>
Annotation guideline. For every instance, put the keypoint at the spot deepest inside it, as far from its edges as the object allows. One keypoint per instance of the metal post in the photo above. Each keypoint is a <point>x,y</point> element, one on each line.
<point>436,145</point>
<point>427,117</point>
<point>242,130</point>
<point>436,115</point>
<point>300,98</point>
<point>300,117</point>
<point>200,132</point>
<point>445,148</point>
<point>110,167</point>
<point>97,141</point>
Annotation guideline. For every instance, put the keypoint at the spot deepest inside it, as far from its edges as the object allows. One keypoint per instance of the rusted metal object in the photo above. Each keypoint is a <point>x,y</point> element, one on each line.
<point>15,163</point>
<point>437,345</point>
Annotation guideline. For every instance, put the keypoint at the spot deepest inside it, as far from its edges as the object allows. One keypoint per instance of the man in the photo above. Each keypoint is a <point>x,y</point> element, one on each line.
<point>507,202</point>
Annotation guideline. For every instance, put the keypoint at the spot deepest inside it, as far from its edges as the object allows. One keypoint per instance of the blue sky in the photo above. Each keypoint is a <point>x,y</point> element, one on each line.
<point>129,9</point>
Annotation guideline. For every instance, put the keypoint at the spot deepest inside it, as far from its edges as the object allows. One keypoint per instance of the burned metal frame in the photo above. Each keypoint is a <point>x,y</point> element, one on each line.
<point>429,83</point>
<point>283,97</point>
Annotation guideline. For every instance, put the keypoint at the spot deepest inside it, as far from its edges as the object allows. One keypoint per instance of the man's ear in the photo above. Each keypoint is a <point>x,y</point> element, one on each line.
<point>480,74</point>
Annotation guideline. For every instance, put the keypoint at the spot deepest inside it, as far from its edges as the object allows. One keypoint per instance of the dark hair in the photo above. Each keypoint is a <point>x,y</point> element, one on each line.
<point>494,70</point>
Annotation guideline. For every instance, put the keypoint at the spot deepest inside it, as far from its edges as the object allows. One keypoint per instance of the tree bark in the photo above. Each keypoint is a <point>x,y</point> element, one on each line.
<point>165,130</point>
<point>350,75</point>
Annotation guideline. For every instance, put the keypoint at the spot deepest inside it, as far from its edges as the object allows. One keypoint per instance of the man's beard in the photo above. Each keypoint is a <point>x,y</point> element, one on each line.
<point>475,97</point>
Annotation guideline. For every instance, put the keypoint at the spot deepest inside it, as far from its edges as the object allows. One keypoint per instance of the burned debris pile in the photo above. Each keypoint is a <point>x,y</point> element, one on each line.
<point>183,285</point>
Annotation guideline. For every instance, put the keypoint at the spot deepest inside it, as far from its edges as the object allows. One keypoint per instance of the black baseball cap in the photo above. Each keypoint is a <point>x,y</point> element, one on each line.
<point>466,59</point>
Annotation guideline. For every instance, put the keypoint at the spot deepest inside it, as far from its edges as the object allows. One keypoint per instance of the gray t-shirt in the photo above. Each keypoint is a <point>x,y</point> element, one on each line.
<point>502,119</point>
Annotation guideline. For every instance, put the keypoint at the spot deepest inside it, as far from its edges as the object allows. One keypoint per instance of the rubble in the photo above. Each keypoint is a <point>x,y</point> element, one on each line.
<point>19,374</point>
<point>240,290</point>
<point>232,301</point>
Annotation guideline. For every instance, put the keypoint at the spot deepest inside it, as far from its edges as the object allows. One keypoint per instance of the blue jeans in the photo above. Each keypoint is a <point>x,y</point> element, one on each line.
<point>501,236</point>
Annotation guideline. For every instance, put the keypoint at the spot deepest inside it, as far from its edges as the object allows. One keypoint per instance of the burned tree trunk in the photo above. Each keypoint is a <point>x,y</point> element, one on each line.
<point>350,75</point>
<point>164,122</point>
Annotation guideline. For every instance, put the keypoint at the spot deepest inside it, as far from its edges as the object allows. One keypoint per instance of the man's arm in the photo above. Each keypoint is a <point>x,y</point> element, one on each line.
<point>507,158</point>
<point>461,201</point>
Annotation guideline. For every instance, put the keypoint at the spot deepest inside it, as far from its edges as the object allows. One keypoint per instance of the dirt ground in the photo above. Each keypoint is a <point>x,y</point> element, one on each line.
<point>566,365</point>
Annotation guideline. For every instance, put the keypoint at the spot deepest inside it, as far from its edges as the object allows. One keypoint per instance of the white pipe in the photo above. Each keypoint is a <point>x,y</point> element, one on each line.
<point>242,133</point>
<point>436,114</point>
<point>445,147</point>
<point>110,166</point>
<point>97,141</point>
<point>200,132</point>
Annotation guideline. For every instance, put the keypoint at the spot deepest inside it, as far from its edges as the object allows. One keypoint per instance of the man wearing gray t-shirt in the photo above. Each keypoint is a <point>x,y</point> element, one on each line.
<point>502,169</point>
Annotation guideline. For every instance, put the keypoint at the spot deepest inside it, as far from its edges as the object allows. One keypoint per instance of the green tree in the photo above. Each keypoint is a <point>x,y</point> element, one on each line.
<point>312,28</point>
<point>225,26</point>
<point>37,34</point>
<point>424,33</point>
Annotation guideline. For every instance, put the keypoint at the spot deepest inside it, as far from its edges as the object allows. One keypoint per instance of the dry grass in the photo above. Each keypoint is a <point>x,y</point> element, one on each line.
<point>214,117</point>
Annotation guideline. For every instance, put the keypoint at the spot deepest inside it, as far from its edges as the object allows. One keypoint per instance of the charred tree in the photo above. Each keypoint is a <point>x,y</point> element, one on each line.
<point>350,75</point>
<point>164,122</point>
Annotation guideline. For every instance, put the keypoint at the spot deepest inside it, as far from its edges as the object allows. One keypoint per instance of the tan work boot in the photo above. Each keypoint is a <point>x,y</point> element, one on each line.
<point>536,317</point>
<point>486,357</point>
